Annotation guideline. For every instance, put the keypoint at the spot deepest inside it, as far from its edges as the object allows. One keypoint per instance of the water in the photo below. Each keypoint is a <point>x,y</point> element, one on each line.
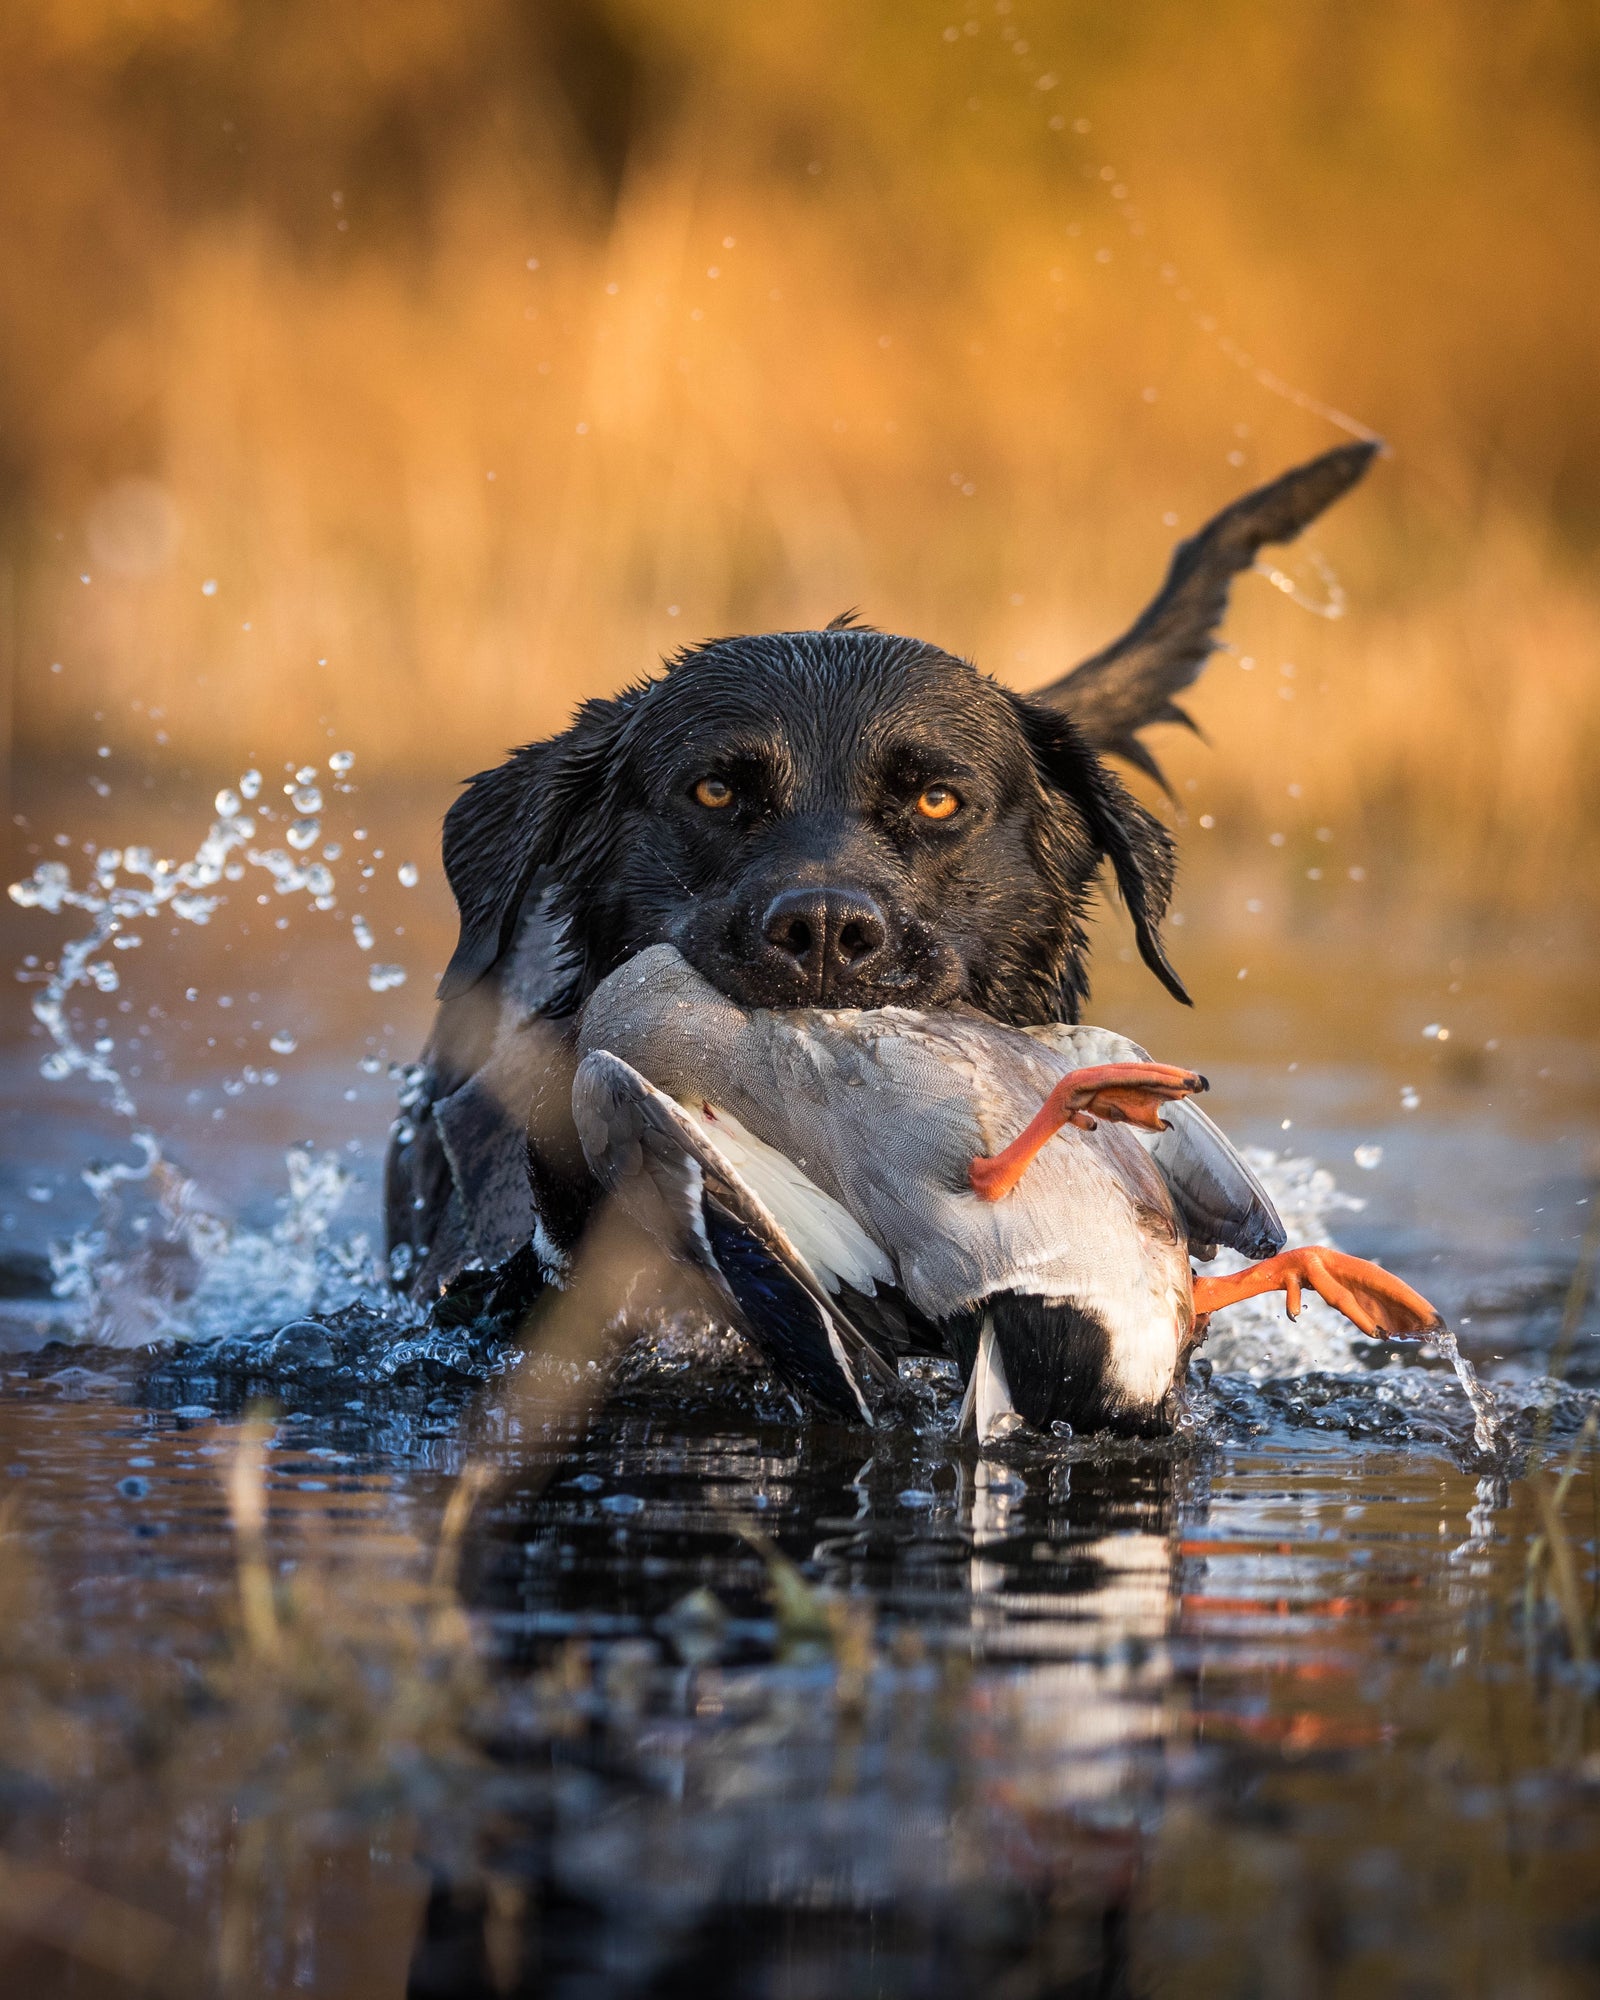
<point>1300,1701</point>
<point>1257,1719</point>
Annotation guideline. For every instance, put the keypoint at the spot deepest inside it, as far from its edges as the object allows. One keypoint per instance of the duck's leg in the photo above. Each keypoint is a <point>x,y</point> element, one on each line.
<point>1120,1093</point>
<point>1369,1297</point>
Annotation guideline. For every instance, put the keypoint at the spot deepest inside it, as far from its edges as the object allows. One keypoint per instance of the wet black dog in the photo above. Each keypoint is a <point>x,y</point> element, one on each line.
<point>836,818</point>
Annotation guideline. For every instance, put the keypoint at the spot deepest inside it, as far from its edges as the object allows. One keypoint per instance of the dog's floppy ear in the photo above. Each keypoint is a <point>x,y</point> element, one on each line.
<point>1134,841</point>
<point>511,823</point>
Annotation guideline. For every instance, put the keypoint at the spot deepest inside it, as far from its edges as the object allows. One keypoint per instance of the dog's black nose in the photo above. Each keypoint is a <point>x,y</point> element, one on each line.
<point>827,937</point>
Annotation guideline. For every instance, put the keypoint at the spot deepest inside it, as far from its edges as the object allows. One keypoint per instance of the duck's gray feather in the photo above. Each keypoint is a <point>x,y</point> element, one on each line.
<point>1218,1198</point>
<point>885,1111</point>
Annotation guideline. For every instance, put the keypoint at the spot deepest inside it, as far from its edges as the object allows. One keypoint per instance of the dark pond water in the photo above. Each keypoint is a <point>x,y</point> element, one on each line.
<point>699,1701</point>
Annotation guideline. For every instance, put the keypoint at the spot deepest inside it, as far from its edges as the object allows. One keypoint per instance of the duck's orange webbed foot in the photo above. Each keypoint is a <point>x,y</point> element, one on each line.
<point>1120,1093</point>
<point>1369,1297</point>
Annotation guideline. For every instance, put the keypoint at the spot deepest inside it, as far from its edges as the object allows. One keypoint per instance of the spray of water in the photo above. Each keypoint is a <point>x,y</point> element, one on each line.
<point>1257,1339</point>
<point>1256,1344</point>
<point>160,1263</point>
<point>1488,1432</point>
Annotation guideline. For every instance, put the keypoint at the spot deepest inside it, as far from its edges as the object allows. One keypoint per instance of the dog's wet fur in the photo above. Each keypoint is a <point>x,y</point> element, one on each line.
<point>837,818</point>
<point>819,883</point>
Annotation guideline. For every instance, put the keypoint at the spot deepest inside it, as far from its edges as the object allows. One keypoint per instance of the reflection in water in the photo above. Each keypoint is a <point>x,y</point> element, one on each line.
<point>953,1792</point>
<point>1228,1718</point>
<point>1091,1696</point>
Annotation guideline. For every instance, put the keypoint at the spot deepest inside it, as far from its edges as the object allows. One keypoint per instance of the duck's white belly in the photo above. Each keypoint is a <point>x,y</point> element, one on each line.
<point>1146,1304</point>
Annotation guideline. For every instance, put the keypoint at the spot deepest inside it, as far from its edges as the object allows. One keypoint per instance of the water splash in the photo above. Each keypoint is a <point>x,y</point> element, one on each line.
<point>160,1263</point>
<point>1318,1370</point>
<point>1330,605</point>
<point>1488,1433</point>
<point>129,886</point>
<point>1257,1339</point>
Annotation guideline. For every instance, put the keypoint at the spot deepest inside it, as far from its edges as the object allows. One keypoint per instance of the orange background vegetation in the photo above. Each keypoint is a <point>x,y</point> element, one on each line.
<point>479,351</point>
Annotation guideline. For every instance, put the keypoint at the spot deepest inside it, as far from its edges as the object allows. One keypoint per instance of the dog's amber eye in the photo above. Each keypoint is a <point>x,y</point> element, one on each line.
<point>714,792</point>
<point>938,802</point>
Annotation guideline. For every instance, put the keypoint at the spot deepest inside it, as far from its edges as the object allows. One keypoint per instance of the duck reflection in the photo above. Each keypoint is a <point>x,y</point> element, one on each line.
<point>917,1755</point>
<point>1084,1615</point>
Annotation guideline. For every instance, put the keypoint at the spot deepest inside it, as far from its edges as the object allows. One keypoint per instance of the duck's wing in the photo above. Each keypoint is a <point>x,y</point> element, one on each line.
<point>677,1176</point>
<point>834,1245</point>
<point>852,1266</point>
<point>1080,1045</point>
<point>1218,1198</point>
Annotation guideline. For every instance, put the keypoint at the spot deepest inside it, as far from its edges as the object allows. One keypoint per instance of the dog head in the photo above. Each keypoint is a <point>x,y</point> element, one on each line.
<point>837,819</point>
<point>847,819</point>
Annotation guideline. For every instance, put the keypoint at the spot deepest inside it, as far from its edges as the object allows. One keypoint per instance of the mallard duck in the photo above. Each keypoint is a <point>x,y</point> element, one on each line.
<point>859,1185</point>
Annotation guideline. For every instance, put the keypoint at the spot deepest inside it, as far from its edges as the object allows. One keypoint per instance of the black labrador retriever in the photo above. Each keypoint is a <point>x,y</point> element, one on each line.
<point>836,818</point>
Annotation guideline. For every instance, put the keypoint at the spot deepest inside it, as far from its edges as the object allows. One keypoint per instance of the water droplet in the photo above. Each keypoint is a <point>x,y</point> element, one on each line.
<point>1368,1157</point>
<point>1409,1099</point>
<point>307,800</point>
<point>341,761</point>
<point>209,587</point>
<point>283,1043</point>
<point>304,833</point>
<point>382,977</point>
<point>250,784</point>
<point>407,871</point>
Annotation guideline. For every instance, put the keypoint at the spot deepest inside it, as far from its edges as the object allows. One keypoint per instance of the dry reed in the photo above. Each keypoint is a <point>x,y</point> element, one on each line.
<point>955,320</point>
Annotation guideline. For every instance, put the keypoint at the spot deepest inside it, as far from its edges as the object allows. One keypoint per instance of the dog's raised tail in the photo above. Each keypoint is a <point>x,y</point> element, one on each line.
<point>1130,684</point>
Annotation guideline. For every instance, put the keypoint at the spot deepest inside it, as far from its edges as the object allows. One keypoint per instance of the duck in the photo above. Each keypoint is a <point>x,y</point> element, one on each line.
<point>863,1185</point>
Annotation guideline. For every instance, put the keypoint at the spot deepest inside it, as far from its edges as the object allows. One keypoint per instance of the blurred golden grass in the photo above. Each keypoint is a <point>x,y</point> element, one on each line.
<point>836,308</point>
